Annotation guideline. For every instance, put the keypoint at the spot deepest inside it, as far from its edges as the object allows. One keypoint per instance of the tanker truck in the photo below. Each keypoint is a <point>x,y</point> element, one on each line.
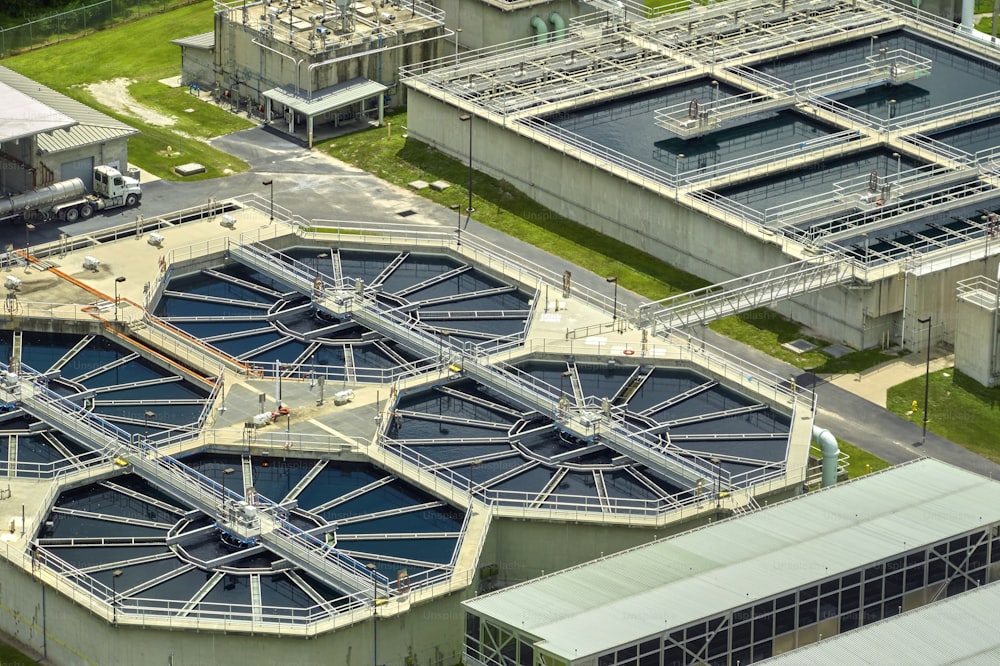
<point>69,199</point>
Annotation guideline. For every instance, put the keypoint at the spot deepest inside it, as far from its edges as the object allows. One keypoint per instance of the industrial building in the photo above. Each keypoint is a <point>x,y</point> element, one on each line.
<point>50,137</point>
<point>739,591</point>
<point>307,63</point>
<point>215,427</point>
<point>832,159</point>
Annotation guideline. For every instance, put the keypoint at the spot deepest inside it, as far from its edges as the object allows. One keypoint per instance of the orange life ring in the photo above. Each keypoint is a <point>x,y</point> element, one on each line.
<point>284,411</point>
<point>693,108</point>
<point>629,352</point>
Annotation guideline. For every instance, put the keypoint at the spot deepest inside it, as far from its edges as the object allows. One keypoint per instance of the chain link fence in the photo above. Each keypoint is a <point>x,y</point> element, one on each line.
<point>77,22</point>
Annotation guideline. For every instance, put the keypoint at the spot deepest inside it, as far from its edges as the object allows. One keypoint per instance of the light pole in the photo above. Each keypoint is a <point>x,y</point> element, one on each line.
<point>927,375</point>
<point>374,570</point>
<point>718,482</point>
<point>114,594</point>
<point>458,225</point>
<point>118,281</point>
<point>270,183</point>
<point>466,118</point>
<point>145,424</point>
<point>28,228</point>
<point>614,308</point>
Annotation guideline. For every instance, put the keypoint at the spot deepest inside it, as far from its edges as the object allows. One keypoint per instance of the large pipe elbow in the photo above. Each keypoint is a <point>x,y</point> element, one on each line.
<point>558,26</point>
<point>831,454</point>
<point>541,29</point>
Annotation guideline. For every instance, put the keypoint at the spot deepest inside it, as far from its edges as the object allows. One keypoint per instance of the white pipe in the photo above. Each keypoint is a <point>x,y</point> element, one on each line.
<point>968,15</point>
<point>285,55</point>
<point>350,56</point>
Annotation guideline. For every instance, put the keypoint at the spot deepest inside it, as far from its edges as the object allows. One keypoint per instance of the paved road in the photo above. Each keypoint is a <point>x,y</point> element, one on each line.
<point>316,187</point>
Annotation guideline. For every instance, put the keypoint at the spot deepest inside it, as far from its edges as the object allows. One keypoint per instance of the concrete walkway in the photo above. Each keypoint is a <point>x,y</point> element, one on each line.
<point>873,384</point>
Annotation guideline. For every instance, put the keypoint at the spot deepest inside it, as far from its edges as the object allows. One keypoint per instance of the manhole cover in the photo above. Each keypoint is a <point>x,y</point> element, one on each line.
<point>799,346</point>
<point>407,213</point>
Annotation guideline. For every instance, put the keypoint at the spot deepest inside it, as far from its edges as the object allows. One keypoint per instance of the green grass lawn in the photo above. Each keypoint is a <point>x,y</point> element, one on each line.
<point>861,462</point>
<point>141,50</point>
<point>12,657</point>
<point>961,409</point>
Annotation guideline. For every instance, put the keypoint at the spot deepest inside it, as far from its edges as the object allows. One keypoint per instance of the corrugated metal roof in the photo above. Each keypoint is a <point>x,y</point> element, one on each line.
<point>205,40</point>
<point>91,126</point>
<point>23,115</point>
<point>959,630</point>
<point>698,574</point>
<point>328,99</point>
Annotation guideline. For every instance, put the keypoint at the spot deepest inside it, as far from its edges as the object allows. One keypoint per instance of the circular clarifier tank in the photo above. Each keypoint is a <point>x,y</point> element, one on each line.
<point>480,439</point>
<point>252,318</point>
<point>125,537</point>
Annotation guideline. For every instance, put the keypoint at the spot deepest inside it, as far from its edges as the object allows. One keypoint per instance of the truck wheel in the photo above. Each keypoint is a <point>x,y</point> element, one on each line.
<point>72,215</point>
<point>86,211</point>
<point>131,200</point>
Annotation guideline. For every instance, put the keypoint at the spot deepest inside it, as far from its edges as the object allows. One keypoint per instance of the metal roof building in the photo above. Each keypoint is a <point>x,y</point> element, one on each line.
<point>746,589</point>
<point>64,150</point>
<point>958,631</point>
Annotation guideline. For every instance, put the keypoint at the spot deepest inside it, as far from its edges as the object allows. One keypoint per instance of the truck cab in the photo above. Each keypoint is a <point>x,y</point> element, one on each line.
<point>117,189</point>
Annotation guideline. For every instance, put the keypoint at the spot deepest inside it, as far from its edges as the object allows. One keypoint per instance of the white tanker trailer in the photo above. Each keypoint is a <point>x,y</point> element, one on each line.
<point>69,199</point>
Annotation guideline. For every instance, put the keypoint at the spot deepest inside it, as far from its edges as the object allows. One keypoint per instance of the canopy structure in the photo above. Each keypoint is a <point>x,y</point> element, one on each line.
<point>325,100</point>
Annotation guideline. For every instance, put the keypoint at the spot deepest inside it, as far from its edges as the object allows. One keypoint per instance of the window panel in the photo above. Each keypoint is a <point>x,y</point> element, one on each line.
<point>808,592</point>
<point>628,652</point>
<point>763,628</point>
<point>935,571</point>
<point>741,635</point>
<point>914,579</point>
<point>650,660</point>
<point>719,644</point>
<point>850,579</point>
<point>673,656</point>
<point>807,613</point>
<point>526,655</point>
<point>784,621</point>
<point>872,614</point>
<point>850,600</point>
<point>894,584</point>
<point>763,608</point>
<point>646,647</point>
<point>785,601</point>
<point>850,621</point>
<point>873,592</point>
<point>763,650</point>
<point>829,586</point>
<point>873,572</point>
<point>606,660</point>
<point>892,607</point>
<point>829,606</point>
<point>695,630</point>
<point>914,559</point>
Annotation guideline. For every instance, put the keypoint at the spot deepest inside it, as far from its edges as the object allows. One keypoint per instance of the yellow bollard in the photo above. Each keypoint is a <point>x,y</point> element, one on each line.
<point>868,468</point>
<point>914,406</point>
<point>388,130</point>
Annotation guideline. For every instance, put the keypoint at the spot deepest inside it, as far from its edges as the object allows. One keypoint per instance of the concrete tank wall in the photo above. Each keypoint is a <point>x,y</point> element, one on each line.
<point>976,341</point>
<point>430,634</point>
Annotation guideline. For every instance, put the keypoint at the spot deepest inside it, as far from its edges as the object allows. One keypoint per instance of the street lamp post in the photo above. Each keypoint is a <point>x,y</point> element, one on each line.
<point>614,307</point>
<point>466,118</point>
<point>114,594</point>
<point>373,569</point>
<point>458,225</point>
<point>677,176</point>
<point>145,424</point>
<point>28,228</point>
<point>718,482</point>
<point>270,183</point>
<point>118,281</point>
<point>927,375</point>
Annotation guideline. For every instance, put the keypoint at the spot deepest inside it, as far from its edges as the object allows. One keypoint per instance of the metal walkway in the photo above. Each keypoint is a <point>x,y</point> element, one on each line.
<point>586,422</point>
<point>742,294</point>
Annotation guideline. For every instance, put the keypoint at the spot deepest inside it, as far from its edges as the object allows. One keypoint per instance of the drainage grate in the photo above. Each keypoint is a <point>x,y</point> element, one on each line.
<point>406,213</point>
